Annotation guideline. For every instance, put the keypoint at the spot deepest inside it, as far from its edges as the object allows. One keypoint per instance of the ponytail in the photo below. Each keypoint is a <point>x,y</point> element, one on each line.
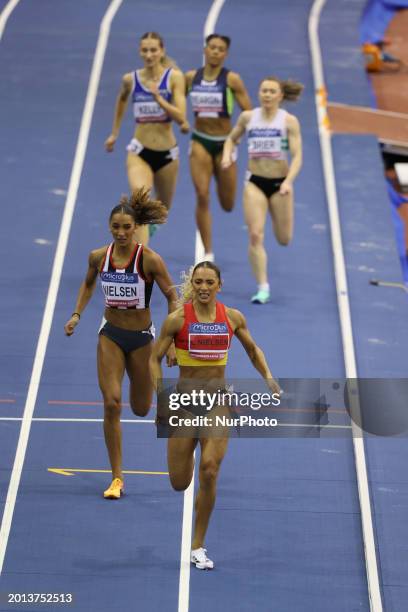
<point>143,210</point>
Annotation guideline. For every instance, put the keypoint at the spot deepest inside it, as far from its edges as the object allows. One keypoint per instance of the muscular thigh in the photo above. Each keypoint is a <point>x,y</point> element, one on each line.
<point>201,167</point>
<point>139,172</point>
<point>226,182</point>
<point>281,209</point>
<point>255,207</point>
<point>111,366</point>
<point>165,182</point>
<point>213,450</point>
<point>180,459</point>
<point>137,368</point>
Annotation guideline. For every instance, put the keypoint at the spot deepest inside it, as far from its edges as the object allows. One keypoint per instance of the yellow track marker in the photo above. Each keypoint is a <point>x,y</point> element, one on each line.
<point>73,471</point>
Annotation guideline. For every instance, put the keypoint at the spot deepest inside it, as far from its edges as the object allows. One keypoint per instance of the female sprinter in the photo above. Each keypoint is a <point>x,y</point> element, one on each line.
<point>212,91</point>
<point>213,323</point>
<point>127,271</point>
<point>158,97</point>
<point>268,186</point>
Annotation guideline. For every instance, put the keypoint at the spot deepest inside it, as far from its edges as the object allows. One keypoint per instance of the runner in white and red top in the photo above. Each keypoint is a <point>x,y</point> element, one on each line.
<point>127,272</point>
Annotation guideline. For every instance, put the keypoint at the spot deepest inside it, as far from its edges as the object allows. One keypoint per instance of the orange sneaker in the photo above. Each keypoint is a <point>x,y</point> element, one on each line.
<point>115,490</point>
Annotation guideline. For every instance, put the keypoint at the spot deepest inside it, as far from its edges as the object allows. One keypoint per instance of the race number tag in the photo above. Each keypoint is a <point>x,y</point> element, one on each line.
<point>266,143</point>
<point>121,289</point>
<point>208,341</point>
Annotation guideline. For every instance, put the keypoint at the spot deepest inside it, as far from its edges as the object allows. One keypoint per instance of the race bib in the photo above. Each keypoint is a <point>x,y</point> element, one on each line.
<point>266,143</point>
<point>121,289</point>
<point>207,103</point>
<point>148,110</point>
<point>208,341</point>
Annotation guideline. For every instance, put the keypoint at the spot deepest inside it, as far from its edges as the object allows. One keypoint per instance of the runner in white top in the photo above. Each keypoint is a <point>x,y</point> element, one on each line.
<point>272,133</point>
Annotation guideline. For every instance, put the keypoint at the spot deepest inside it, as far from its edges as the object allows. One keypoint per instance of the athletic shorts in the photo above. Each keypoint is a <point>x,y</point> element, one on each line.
<point>268,186</point>
<point>212,145</point>
<point>155,159</point>
<point>127,339</point>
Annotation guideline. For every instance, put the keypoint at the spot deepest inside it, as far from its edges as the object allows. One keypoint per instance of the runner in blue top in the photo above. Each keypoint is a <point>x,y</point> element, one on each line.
<point>158,97</point>
<point>272,133</point>
<point>212,92</point>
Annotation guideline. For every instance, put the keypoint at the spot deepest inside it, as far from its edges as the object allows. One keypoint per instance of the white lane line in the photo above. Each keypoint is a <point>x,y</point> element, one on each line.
<point>55,276</point>
<point>374,592</point>
<point>184,582</point>
<point>5,14</point>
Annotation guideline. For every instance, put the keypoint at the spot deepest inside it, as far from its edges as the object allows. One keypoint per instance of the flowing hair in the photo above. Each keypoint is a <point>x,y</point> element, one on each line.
<point>291,90</point>
<point>143,210</point>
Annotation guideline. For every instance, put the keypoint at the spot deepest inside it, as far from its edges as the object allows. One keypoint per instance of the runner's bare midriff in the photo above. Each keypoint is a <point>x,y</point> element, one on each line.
<point>268,168</point>
<point>213,126</point>
<point>156,136</point>
<point>203,373</point>
<point>132,319</point>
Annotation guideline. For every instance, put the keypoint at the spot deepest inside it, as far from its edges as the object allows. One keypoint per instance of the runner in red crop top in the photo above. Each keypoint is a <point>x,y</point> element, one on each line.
<point>203,344</point>
<point>202,330</point>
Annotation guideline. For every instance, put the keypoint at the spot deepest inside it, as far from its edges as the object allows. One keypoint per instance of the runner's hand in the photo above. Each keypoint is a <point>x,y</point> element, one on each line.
<point>185,127</point>
<point>286,188</point>
<point>171,359</point>
<point>110,143</point>
<point>226,162</point>
<point>274,386</point>
<point>70,326</point>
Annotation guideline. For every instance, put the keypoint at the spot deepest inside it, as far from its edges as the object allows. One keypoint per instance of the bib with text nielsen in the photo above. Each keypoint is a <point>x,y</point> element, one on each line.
<point>120,289</point>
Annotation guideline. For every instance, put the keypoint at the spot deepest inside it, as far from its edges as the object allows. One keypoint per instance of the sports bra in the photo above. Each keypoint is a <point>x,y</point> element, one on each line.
<point>211,98</point>
<point>125,288</point>
<point>145,107</point>
<point>203,344</point>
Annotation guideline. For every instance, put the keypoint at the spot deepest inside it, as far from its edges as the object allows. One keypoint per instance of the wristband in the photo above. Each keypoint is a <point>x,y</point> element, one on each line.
<point>77,314</point>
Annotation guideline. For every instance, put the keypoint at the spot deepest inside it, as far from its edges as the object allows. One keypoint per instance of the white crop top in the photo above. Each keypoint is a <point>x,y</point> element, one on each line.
<point>267,138</point>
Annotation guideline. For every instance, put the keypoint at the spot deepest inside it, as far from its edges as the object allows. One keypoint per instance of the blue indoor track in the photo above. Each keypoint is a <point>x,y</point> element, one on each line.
<point>286,532</point>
